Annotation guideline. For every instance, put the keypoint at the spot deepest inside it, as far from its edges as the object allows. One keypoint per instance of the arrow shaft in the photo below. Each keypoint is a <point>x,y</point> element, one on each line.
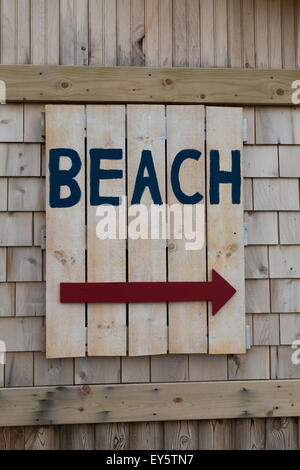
<point>133,292</point>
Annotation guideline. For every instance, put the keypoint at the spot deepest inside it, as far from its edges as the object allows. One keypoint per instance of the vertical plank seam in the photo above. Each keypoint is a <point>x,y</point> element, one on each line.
<point>168,222</point>
<point>206,219</point>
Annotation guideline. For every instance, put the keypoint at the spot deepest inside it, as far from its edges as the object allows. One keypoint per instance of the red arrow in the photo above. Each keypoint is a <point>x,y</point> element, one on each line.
<point>218,291</point>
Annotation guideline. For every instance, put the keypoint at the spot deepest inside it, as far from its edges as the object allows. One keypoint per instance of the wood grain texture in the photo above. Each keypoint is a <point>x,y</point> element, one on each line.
<point>106,323</point>
<point>149,402</point>
<point>74,30</point>
<point>65,329</point>
<point>226,255</point>
<point>147,330</point>
<point>185,129</point>
<point>112,436</point>
<point>45,32</point>
<point>42,438</point>
<point>15,31</point>
<point>147,85</point>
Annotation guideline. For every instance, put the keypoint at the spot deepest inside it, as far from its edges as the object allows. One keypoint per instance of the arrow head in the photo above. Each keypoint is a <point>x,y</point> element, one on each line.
<point>223,291</point>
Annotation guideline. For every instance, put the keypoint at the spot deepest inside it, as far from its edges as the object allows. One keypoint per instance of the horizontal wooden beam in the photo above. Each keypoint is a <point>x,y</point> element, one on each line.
<point>149,402</point>
<point>32,83</point>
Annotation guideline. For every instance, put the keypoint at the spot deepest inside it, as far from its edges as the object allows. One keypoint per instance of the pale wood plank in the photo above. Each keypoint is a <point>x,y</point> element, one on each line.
<point>248,43</point>
<point>289,228</point>
<point>289,160</point>
<point>289,328</point>
<point>257,296</point>
<point>128,403</point>
<point>277,125</point>
<point>65,327</point>
<point>261,34</point>
<point>19,369</point>
<point>26,194</point>
<point>24,264</point>
<point>158,32</point>
<point>106,323</point>
<point>207,367</point>
<point>260,161</point>
<point>74,32</point>
<point>183,436</point>
<point>285,295</point>
<point>1,385</point>
<point>153,85</point>
<point>275,46</point>
<point>284,261</point>
<point>256,262</point>
<point>77,437</point>
<point>185,129</point>
<point>39,224</point>
<point>288,34</point>
<point>30,299</point>
<point>146,258</point>
<point>281,365</point>
<point>137,29</point>
<point>7,294</point>
<point>97,32</point>
<point>169,368</point>
<point>282,434</point>
<point>226,255</point>
<point>15,32</point>
<point>11,123</point>
<point>215,435</point>
<point>22,334</point>
<point>193,33</point>
<point>3,194</point>
<point>52,371</point>
<point>45,32</point>
<point>123,32</point>
<point>15,229</point>
<point>20,159</point>
<point>103,30</point>
<point>12,438</point>
<point>248,194</point>
<point>93,370</point>
<point>152,33</point>
<point>262,228</point>
<point>173,368</point>
<point>43,162</point>
<point>165,32</point>
<point>3,267</point>
<point>220,33</point>
<point>33,122</point>
<point>180,33</point>
<point>112,436</point>
<point>253,365</point>
<point>135,369</point>
<point>249,114</point>
<point>234,34</point>
<point>249,434</point>
<point>146,436</point>
<point>42,438</point>
<point>207,33</point>
<point>266,329</point>
<point>276,194</point>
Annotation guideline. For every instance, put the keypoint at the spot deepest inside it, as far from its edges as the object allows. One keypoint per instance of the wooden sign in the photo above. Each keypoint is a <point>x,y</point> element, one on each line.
<point>119,284</point>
